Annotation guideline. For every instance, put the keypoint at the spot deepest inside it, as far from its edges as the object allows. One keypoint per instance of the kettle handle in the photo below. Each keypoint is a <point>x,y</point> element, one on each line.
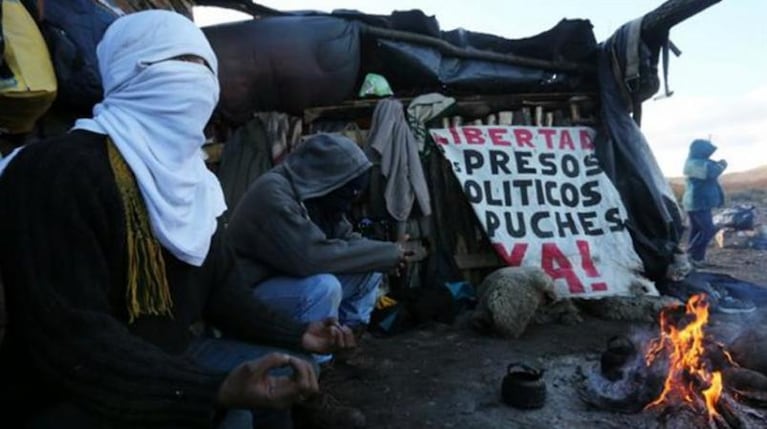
<point>524,367</point>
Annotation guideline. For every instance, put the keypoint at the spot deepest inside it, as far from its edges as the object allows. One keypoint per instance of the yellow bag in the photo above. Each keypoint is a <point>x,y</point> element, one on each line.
<point>27,79</point>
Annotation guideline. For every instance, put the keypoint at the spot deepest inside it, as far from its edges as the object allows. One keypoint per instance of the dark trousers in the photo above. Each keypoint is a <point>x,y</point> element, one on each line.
<point>224,355</point>
<point>215,354</point>
<point>702,230</point>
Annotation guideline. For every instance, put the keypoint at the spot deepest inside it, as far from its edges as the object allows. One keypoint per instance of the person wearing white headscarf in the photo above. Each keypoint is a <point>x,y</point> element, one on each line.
<point>110,255</point>
<point>154,111</point>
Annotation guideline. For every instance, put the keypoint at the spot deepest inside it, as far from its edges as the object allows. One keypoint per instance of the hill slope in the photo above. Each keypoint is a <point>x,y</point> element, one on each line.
<point>742,185</point>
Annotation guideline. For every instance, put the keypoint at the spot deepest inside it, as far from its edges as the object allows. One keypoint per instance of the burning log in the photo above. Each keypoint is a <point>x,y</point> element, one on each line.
<point>728,418</point>
<point>736,415</point>
<point>747,386</point>
<point>750,350</point>
<point>683,417</point>
<point>690,375</point>
<point>753,398</point>
<point>732,415</point>
<point>745,379</point>
<point>694,393</point>
<point>684,376</point>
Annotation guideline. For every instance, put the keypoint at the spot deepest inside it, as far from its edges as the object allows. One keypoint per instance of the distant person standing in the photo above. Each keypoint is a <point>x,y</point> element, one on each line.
<point>702,193</point>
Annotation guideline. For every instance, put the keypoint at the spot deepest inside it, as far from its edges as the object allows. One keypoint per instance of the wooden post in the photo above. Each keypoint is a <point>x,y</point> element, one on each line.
<point>671,13</point>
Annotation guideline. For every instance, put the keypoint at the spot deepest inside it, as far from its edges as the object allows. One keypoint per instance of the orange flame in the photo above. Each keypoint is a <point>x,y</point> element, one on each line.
<point>689,371</point>
<point>713,393</point>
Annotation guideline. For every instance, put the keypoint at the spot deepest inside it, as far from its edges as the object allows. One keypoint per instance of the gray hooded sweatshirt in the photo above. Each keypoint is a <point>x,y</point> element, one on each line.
<point>271,230</point>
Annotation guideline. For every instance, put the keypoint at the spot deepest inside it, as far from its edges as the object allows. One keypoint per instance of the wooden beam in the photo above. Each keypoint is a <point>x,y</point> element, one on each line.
<point>479,105</point>
<point>671,13</point>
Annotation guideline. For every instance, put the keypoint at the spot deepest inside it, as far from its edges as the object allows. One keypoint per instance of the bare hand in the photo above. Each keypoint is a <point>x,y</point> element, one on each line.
<point>250,385</point>
<point>326,336</point>
<point>405,255</point>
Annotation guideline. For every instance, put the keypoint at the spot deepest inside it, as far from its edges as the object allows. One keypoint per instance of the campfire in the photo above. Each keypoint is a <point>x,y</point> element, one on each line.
<point>691,378</point>
<point>681,373</point>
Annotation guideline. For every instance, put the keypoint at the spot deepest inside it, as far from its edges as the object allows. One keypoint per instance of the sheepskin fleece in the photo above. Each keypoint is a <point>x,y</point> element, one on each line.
<point>510,297</point>
<point>641,308</point>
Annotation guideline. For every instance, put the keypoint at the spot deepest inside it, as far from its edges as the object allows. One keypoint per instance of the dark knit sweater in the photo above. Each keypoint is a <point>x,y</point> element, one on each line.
<point>63,260</point>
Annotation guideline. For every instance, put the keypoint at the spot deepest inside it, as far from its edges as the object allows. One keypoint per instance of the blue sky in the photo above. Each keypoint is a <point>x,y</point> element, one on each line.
<point>719,81</point>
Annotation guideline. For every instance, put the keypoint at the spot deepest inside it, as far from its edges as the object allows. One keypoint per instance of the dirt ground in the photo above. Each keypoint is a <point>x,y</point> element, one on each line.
<point>442,376</point>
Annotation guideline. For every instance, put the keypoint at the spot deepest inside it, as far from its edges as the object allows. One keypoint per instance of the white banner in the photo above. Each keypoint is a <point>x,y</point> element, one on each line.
<point>544,201</point>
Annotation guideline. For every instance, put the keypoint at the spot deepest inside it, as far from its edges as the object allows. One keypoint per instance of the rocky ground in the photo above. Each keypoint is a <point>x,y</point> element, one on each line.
<point>442,376</point>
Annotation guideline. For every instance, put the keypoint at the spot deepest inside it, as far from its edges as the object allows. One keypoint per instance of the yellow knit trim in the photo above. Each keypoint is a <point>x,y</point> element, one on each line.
<point>147,291</point>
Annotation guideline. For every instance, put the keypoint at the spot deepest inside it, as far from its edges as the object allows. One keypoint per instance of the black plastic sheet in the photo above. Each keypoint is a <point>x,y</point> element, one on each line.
<point>284,64</point>
<point>407,66</point>
<point>655,221</point>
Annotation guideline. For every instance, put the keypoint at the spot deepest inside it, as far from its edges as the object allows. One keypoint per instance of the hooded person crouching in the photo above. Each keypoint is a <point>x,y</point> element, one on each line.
<point>295,245</point>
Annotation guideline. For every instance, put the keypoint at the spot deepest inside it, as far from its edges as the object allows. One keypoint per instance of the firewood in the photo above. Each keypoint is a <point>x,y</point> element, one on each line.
<point>745,379</point>
<point>728,414</point>
<point>750,350</point>
<point>685,417</point>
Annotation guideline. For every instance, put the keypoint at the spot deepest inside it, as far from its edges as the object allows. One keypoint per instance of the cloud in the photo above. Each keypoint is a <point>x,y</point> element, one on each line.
<point>736,123</point>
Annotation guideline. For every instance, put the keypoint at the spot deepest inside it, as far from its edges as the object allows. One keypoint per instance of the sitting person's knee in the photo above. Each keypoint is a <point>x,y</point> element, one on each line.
<point>376,278</point>
<point>328,287</point>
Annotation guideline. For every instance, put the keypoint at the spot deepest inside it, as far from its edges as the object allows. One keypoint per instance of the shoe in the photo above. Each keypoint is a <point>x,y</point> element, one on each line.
<point>732,305</point>
<point>324,411</point>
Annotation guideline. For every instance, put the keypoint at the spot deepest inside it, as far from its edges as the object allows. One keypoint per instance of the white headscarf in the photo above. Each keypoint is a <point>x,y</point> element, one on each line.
<point>155,112</point>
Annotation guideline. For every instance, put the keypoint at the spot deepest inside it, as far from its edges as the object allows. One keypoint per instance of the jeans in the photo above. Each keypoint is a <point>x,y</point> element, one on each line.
<point>702,230</point>
<point>348,297</point>
<point>224,355</point>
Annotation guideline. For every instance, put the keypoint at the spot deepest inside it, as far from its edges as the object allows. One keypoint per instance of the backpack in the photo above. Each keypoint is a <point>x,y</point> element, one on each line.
<point>73,29</point>
<point>27,79</point>
<point>740,218</point>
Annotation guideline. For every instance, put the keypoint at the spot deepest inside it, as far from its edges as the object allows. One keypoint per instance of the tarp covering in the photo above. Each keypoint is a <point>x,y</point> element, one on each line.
<point>410,66</point>
<point>326,55</point>
<point>284,64</point>
<point>289,61</point>
<point>655,220</point>
<point>407,65</point>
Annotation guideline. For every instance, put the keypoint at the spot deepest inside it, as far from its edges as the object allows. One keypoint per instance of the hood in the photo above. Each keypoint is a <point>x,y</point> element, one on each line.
<point>323,164</point>
<point>701,149</point>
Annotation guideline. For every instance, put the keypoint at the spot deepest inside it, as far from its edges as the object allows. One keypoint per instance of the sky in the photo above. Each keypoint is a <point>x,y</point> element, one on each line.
<point>719,81</point>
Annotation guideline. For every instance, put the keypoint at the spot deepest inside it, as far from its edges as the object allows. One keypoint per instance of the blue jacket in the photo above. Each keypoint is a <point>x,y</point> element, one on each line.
<point>702,191</point>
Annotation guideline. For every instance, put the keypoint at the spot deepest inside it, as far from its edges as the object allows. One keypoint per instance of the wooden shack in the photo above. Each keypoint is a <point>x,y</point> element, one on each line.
<point>551,79</point>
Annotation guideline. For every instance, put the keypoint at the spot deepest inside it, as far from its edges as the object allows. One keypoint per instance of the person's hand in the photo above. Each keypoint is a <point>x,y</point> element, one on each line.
<point>250,386</point>
<point>723,163</point>
<point>326,336</point>
<point>404,255</point>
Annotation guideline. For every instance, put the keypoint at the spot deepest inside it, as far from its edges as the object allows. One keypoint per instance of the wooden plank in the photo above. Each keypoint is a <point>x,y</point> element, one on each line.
<point>469,106</point>
<point>671,13</point>
<point>477,260</point>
